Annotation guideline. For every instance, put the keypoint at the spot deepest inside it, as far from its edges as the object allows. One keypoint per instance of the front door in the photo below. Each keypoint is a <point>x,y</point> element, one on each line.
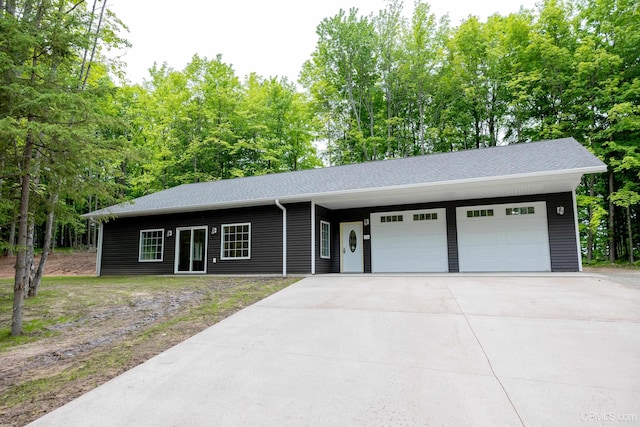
<point>191,252</point>
<point>351,253</point>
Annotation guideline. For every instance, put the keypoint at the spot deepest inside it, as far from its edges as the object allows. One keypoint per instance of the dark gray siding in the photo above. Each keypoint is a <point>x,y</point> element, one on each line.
<point>266,241</point>
<point>298,238</point>
<point>121,240</point>
<point>121,237</point>
<point>452,240</point>
<point>563,247</point>
<point>323,266</point>
<point>120,246</point>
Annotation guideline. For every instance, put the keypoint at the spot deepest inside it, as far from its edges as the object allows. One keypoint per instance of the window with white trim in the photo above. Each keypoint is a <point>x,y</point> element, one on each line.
<point>151,245</point>
<point>325,240</point>
<point>236,241</point>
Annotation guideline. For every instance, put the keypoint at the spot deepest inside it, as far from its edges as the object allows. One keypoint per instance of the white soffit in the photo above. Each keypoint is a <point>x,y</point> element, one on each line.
<point>452,191</point>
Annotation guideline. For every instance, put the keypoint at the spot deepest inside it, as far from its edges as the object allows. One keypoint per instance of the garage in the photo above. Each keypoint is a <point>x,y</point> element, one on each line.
<point>409,241</point>
<point>508,237</point>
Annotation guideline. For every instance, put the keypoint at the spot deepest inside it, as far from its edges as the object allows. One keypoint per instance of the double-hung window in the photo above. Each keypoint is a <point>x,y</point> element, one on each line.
<point>236,241</point>
<point>325,240</point>
<point>151,245</point>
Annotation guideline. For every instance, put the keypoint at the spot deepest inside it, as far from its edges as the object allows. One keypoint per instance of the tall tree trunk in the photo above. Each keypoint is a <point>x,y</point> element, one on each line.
<point>30,259</point>
<point>390,147</point>
<point>11,7</point>
<point>29,268</point>
<point>421,119</point>
<point>590,213</point>
<point>12,238</point>
<point>630,232</point>
<point>94,228</point>
<point>35,283</point>
<point>88,222</point>
<point>23,222</point>
<point>477,129</point>
<point>372,132</point>
<point>612,223</point>
<point>493,132</point>
<point>86,51</point>
<point>95,43</point>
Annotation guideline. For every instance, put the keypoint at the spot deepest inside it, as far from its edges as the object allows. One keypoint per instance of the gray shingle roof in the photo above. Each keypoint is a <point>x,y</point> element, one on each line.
<point>538,158</point>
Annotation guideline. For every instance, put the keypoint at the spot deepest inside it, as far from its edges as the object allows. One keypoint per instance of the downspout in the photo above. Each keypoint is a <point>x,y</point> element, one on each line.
<point>284,238</point>
<point>313,237</point>
<point>99,250</point>
<point>575,224</point>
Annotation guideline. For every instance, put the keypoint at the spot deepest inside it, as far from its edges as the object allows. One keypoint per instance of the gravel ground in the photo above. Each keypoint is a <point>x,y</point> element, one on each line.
<point>623,276</point>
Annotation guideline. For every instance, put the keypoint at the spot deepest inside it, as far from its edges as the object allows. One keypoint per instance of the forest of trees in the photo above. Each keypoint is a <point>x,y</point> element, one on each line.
<point>74,137</point>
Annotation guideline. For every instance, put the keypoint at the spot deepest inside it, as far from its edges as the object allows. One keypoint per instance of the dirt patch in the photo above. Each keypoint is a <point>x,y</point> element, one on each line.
<point>58,264</point>
<point>76,342</point>
<point>102,340</point>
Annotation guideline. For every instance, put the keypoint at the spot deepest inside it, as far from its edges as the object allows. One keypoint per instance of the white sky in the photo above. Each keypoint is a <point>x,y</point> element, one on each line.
<point>271,38</point>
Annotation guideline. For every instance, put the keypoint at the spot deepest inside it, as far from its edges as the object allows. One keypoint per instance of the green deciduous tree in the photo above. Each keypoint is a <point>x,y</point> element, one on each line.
<point>386,86</point>
<point>344,70</point>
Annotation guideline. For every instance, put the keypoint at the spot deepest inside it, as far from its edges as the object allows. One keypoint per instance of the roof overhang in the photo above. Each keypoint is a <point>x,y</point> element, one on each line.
<point>459,190</point>
<point>475,188</point>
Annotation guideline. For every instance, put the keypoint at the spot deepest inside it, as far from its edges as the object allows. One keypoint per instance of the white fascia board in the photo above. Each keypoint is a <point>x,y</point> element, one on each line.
<point>311,196</point>
<point>183,209</point>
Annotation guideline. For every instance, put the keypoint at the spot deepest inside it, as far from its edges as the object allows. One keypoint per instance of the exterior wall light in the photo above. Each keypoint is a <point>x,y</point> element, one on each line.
<point>560,210</point>
<point>366,222</point>
<point>214,230</point>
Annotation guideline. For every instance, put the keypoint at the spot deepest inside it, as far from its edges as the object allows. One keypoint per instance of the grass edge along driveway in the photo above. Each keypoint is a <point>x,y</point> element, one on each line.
<point>82,331</point>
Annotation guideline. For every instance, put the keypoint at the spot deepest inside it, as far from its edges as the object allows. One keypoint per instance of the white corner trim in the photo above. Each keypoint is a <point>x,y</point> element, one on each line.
<point>284,237</point>
<point>99,250</point>
<point>313,237</point>
<point>577,228</point>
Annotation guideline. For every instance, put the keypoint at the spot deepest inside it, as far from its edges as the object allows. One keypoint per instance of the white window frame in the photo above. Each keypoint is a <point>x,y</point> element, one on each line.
<point>151,230</point>
<point>204,253</point>
<point>222,241</point>
<point>328,245</point>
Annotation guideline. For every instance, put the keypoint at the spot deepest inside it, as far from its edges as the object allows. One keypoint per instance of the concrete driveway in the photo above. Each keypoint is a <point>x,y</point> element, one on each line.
<point>456,350</point>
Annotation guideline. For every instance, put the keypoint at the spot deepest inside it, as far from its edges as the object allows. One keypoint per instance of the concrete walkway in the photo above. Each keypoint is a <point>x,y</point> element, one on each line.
<point>457,350</point>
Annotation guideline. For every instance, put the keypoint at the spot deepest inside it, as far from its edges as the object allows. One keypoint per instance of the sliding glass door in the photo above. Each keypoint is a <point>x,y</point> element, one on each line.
<point>191,250</point>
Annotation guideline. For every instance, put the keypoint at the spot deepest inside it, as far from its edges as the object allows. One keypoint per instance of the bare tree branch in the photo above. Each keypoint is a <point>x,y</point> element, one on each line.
<point>74,7</point>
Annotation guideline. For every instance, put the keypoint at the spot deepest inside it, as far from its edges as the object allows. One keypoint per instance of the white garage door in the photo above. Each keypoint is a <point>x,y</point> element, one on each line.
<point>409,241</point>
<point>511,237</point>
